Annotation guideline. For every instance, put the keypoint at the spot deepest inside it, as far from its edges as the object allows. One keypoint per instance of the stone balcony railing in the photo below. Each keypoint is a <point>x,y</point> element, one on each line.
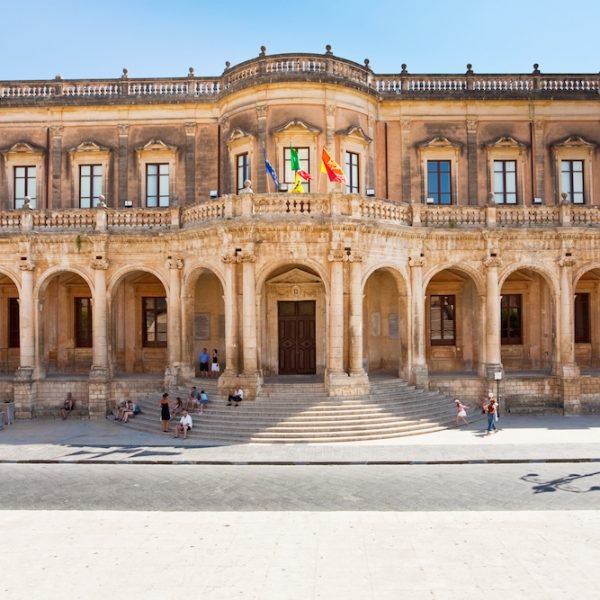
<point>299,67</point>
<point>271,208</point>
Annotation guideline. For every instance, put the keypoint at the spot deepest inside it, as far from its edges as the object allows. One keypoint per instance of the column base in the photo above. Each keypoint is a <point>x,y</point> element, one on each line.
<point>342,384</point>
<point>173,376</point>
<point>251,384</point>
<point>420,376</point>
<point>24,393</point>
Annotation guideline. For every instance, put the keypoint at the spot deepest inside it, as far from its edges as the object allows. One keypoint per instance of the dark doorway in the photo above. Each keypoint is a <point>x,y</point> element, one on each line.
<point>296,332</point>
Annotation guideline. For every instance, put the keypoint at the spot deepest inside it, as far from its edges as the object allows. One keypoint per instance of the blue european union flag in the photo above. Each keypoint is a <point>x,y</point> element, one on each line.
<point>271,171</point>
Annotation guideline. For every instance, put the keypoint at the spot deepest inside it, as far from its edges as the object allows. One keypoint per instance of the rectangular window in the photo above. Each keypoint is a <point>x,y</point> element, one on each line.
<point>157,185</point>
<point>442,311</point>
<point>83,323</point>
<point>352,181</point>
<point>90,185</point>
<point>25,185</point>
<point>14,327</point>
<point>439,186</point>
<point>303,159</point>
<point>242,171</point>
<point>572,180</point>
<point>582,319</point>
<point>511,319</point>
<point>505,181</point>
<point>155,322</point>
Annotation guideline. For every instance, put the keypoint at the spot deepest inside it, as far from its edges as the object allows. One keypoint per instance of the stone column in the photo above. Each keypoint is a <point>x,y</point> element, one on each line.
<point>568,368</point>
<point>174,322</point>
<point>23,385</point>
<point>472,155</point>
<point>335,359</point>
<point>492,318</point>
<point>231,312</point>
<point>538,158</point>
<point>261,137</point>
<point>55,162</point>
<point>190,163</point>
<point>99,383</point>
<point>249,313</point>
<point>406,161</point>
<point>420,375</point>
<point>356,315</point>
<point>123,166</point>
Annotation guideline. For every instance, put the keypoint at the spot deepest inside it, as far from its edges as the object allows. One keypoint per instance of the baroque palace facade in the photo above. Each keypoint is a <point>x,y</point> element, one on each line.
<point>463,248</point>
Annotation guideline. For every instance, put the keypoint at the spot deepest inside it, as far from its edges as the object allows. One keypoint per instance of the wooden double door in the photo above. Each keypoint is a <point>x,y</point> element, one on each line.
<point>297,338</point>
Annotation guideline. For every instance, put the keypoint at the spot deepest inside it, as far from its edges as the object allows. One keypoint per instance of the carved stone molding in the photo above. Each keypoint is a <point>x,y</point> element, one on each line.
<point>190,128</point>
<point>123,130</point>
<point>416,262</point>
<point>566,261</point>
<point>261,111</point>
<point>472,125</point>
<point>492,262</point>
<point>101,264</point>
<point>27,265</point>
<point>175,263</point>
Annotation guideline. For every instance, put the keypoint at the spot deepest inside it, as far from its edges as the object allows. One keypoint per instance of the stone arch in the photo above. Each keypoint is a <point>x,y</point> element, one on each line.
<point>586,312</point>
<point>10,342</point>
<point>386,320</point>
<point>137,299</point>
<point>293,306</point>
<point>64,341</point>
<point>528,317</point>
<point>203,315</point>
<point>454,325</point>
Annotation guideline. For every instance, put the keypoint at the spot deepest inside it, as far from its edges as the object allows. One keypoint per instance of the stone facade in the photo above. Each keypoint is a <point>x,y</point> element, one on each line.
<point>464,243</point>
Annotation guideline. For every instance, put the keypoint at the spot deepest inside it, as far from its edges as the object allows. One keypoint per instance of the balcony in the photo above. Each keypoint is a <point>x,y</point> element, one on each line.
<point>269,208</point>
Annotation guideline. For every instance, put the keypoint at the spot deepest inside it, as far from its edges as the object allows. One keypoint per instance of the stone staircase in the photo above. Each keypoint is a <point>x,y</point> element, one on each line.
<point>304,413</point>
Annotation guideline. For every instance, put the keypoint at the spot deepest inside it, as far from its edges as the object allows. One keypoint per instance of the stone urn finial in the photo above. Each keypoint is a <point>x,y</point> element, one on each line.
<point>469,69</point>
<point>125,74</point>
<point>191,72</point>
<point>58,77</point>
<point>367,62</point>
<point>263,51</point>
<point>404,71</point>
<point>536,69</point>
<point>227,65</point>
<point>328,49</point>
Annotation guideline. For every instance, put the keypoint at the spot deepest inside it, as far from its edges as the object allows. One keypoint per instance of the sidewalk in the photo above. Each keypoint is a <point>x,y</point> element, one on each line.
<point>521,439</point>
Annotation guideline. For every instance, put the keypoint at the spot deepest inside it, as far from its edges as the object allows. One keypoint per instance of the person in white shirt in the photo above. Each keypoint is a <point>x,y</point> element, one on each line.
<point>184,425</point>
<point>236,396</point>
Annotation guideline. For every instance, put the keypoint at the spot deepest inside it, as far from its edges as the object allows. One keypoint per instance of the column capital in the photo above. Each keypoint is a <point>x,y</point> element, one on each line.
<point>27,265</point>
<point>123,129</point>
<point>492,262</point>
<point>247,257</point>
<point>175,263</point>
<point>566,261</point>
<point>261,111</point>
<point>416,262</point>
<point>56,131</point>
<point>472,125</point>
<point>100,264</point>
<point>190,129</point>
<point>406,124</point>
<point>337,256</point>
<point>230,258</point>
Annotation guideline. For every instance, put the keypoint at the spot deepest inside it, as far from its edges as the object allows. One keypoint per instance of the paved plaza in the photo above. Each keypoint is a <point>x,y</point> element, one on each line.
<point>93,510</point>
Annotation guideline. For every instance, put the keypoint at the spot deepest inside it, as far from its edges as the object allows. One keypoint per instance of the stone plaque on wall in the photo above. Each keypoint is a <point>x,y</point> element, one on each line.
<point>375,324</point>
<point>393,329</point>
<point>202,326</point>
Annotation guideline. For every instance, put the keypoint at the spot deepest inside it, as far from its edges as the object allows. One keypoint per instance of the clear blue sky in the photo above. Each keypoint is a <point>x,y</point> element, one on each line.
<point>155,38</point>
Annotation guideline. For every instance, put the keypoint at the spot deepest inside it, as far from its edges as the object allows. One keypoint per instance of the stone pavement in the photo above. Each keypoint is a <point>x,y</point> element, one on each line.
<point>521,439</point>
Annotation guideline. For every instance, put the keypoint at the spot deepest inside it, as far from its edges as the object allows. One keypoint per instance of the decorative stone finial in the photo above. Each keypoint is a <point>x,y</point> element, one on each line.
<point>536,69</point>
<point>367,61</point>
<point>469,69</point>
<point>565,197</point>
<point>101,201</point>
<point>404,71</point>
<point>125,74</point>
<point>263,51</point>
<point>58,77</point>
<point>227,65</point>
<point>328,49</point>
<point>191,72</point>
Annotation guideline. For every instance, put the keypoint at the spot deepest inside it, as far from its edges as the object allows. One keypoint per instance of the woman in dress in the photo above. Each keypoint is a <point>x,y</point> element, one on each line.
<point>214,367</point>
<point>165,414</point>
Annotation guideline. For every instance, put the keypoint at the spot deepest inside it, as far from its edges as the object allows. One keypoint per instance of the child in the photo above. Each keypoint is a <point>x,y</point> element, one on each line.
<point>461,412</point>
<point>203,401</point>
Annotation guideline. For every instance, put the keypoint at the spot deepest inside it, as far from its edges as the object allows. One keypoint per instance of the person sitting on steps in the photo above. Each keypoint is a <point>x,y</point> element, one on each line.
<point>236,396</point>
<point>68,406</point>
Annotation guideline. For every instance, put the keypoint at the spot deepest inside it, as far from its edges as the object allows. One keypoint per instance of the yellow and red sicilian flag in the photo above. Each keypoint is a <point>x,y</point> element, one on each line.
<point>333,170</point>
<point>297,189</point>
